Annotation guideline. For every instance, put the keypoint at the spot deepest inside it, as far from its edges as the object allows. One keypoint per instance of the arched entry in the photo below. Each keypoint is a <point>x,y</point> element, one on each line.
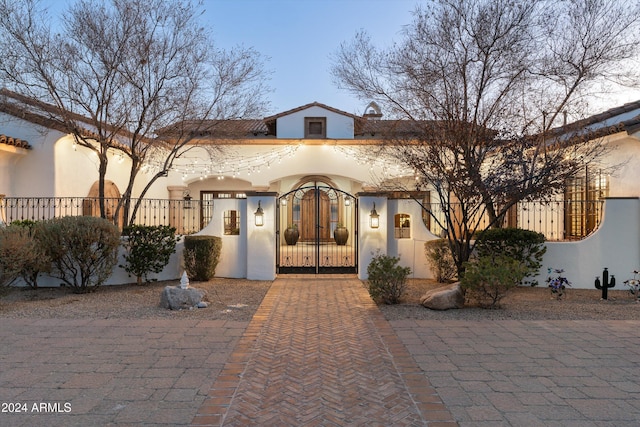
<point>317,230</point>
<point>91,204</point>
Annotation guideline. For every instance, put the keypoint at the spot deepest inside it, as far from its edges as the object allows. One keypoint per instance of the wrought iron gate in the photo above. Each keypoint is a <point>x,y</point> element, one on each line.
<point>317,231</point>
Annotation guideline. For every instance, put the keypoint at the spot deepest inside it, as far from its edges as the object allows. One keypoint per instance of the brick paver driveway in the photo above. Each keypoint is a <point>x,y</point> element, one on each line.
<point>319,353</point>
<point>108,372</point>
<point>531,373</point>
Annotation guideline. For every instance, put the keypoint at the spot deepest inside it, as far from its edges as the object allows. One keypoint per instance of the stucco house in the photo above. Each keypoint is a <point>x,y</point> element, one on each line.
<point>310,171</point>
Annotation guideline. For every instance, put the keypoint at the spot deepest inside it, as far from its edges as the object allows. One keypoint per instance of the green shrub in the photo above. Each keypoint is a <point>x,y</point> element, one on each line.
<point>83,249</point>
<point>149,249</point>
<point>524,246</point>
<point>21,255</point>
<point>387,280</point>
<point>28,223</point>
<point>487,279</point>
<point>201,256</point>
<point>440,260</point>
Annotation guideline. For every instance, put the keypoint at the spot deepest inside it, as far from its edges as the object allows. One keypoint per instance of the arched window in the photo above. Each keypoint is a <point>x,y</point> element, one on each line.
<point>402,226</point>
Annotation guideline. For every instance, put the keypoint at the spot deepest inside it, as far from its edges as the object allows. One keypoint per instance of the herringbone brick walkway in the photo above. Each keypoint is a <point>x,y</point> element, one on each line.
<point>319,353</point>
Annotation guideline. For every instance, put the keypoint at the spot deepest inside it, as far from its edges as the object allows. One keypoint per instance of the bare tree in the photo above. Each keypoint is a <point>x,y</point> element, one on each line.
<point>117,72</point>
<point>481,83</point>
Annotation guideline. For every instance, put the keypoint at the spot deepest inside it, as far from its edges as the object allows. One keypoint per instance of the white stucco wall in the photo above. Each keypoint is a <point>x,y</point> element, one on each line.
<point>31,174</point>
<point>410,250</point>
<point>292,125</point>
<point>261,240</point>
<point>615,245</point>
<point>373,241</point>
<point>233,259</point>
<point>306,160</point>
<point>624,158</point>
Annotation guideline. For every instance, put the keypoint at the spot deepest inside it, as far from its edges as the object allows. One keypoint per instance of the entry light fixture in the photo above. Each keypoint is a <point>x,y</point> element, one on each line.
<point>347,201</point>
<point>259,215</point>
<point>187,199</point>
<point>374,218</point>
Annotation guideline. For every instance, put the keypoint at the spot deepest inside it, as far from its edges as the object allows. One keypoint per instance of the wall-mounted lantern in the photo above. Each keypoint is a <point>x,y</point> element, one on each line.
<point>259,215</point>
<point>374,218</point>
<point>187,199</point>
<point>347,201</point>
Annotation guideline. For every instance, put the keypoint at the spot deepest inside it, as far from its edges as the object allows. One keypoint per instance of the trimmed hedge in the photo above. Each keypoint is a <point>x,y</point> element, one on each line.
<point>201,256</point>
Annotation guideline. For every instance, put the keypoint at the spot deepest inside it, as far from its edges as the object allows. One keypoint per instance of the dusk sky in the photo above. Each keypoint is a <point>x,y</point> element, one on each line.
<point>300,36</point>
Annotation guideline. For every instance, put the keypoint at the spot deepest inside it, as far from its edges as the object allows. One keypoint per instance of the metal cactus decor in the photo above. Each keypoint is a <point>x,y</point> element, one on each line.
<point>606,283</point>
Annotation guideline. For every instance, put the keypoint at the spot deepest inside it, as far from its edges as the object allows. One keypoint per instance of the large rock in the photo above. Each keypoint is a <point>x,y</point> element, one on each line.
<point>444,298</point>
<point>176,298</point>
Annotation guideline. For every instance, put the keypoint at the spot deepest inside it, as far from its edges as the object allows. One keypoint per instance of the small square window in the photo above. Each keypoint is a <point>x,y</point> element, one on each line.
<point>402,226</point>
<point>315,127</point>
<point>231,223</point>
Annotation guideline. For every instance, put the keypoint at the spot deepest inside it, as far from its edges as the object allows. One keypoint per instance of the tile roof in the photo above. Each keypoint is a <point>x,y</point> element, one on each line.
<point>49,116</point>
<point>304,107</point>
<point>623,118</point>
<point>16,142</point>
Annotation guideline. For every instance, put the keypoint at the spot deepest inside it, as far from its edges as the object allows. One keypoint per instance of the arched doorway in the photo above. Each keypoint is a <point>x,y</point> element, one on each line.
<point>322,218</point>
<point>91,204</point>
<point>311,201</point>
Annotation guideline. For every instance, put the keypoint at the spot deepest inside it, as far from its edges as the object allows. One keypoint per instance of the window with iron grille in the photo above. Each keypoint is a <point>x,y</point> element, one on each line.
<point>207,200</point>
<point>231,223</point>
<point>402,226</point>
<point>583,203</point>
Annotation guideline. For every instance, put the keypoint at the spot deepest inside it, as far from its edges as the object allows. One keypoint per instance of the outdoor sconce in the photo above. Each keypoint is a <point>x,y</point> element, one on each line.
<point>187,199</point>
<point>259,215</point>
<point>374,218</point>
<point>347,201</point>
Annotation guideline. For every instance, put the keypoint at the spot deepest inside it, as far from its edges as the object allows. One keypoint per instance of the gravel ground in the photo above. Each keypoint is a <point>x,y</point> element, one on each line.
<point>230,299</point>
<point>523,303</point>
<point>238,299</point>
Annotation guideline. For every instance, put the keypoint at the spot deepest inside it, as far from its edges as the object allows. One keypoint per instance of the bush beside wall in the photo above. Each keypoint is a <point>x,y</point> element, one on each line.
<point>440,260</point>
<point>149,249</point>
<point>21,256</point>
<point>201,256</point>
<point>83,249</point>
<point>387,280</point>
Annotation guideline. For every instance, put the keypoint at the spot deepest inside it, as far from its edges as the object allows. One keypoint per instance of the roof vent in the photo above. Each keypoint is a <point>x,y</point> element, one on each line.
<point>373,111</point>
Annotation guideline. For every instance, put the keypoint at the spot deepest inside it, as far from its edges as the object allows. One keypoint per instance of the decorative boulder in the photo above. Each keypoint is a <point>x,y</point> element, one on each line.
<point>444,298</point>
<point>176,298</point>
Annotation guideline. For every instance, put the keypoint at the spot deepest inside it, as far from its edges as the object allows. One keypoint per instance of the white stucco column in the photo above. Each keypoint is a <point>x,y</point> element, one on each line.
<point>371,240</point>
<point>261,240</point>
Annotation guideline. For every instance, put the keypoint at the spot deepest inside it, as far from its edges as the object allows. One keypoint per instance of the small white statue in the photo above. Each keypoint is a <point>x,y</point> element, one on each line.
<point>184,281</point>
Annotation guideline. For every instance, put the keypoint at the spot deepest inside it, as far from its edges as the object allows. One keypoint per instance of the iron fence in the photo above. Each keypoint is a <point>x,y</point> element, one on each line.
<point>557,220</point>
<point>184,215</point>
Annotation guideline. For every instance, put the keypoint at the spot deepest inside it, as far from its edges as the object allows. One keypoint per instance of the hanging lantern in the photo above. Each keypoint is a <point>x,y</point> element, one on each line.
<point>259,215</point>
<point>374,218</point>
